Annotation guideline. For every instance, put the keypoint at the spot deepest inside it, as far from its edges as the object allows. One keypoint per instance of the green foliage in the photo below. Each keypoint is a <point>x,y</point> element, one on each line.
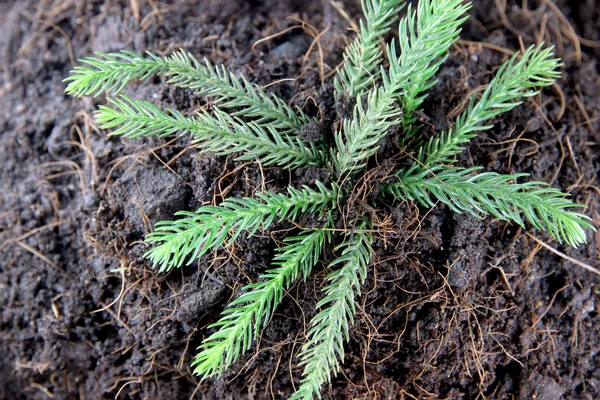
<point>363,57</point>
<point>232,92</point>
<point>436,21</point>
<point>359,139</point>
<point>183,240</point>
<point>491,193</point>
<point>220,133</point>
<point>514,80</point>
<point>112,72</point>
<point>322,353</point>
<point>244,318</point>
<point>246,121</point>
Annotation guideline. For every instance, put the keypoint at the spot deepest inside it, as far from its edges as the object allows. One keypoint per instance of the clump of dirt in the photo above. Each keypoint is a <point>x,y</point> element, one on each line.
<point>454,307</point>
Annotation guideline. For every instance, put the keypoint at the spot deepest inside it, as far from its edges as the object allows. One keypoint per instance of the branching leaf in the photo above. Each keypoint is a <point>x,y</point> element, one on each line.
<point>363,57</point>
<point>498,195</point>
<point>260,126</point>
<point>241,322</point>
<point>360,138</point>
<point>221,134</point>
<point>516,79</point>
<point>232,92</point>
<point>112,72</point>
<point>431,15</point>
<point>322,353</point>
<point>183,240</point>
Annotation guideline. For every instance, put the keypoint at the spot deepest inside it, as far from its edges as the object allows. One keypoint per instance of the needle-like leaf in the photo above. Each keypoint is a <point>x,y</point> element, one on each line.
<point>256,125</point>
<point>363,57</point>
<point>183,240</point>
<point>516,79</point>
<point>112,72</point>
<point>221,134</point>
<point>241,322</point>
<point>359,138</point>
<point>489,193</point>
<point>322,353</point>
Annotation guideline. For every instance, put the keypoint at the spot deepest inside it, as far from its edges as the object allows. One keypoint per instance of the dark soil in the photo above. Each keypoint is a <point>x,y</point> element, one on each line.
<point>454,307</point>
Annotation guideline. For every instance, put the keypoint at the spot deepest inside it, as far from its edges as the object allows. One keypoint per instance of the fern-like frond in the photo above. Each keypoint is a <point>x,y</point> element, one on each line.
<point>364,55</point>
<point>324,350</point>
<point>231,91</point>
<point>430,13</point>
<point>514,80</point>
<point>185,239</point>
<point>221,133</point>
<point>111,72</point>
<point>241,322</point>
<point>422,50</point>
<point>361,136</point>
<point>545,208</point>
<point>358,138</point>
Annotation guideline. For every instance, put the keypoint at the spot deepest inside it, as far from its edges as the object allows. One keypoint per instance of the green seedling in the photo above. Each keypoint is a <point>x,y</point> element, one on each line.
<point>255,125</point>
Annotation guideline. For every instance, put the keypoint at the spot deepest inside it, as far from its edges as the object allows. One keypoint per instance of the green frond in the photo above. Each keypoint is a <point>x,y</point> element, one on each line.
<point>514,80</point>
<point>495,194</point>
<point>183,240</point>
<point>364,55</point>
<point>111,72</point>
<point>324,350</point>
<point>430,14</point>
<point>232,92</point>
<point>241,322</point>
<point>360,137</point>
<point>438,24</point>
<point>221,133</point>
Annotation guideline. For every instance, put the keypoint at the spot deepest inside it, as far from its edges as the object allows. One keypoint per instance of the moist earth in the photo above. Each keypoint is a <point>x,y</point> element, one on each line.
<point>454,307</point>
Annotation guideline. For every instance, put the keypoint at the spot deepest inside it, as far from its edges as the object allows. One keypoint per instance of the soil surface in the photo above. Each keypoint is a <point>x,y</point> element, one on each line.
<point>454,307</point>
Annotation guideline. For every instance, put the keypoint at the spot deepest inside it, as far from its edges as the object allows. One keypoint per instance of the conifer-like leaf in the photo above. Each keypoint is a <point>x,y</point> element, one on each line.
<point>232,92</point>
<point>112,72</point>
<point>363,57</point>
<point>489,193</point>
<point>183,240</point>
<point>221,134</point>
<point>242,320</point>
<point>431,14</point>
<point>424,38</point>
<point>324,350</point>
<point>360,137</point>
<point>516,79</point>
